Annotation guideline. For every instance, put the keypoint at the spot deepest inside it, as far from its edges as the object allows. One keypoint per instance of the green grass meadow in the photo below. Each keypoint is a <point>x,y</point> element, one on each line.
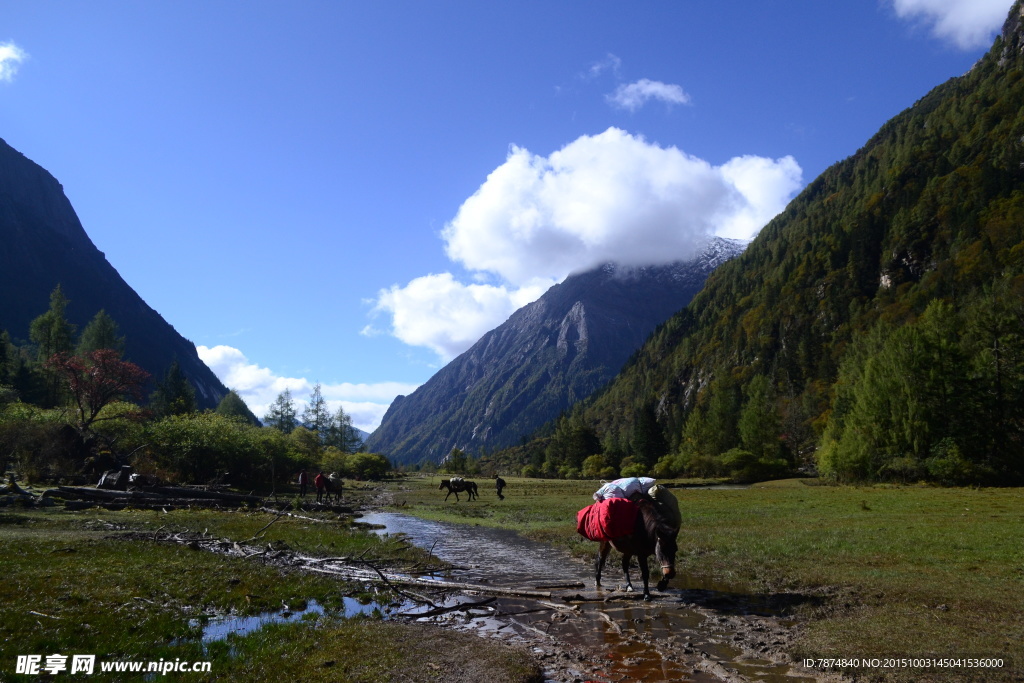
<point>889,571</point>
<point>897,571</point>
<point>89,583</point>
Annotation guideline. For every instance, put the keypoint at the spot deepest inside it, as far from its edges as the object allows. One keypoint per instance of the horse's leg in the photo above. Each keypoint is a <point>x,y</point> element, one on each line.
<point>449,493</point>
<point>645,574</point>
<point>626,560</point>
<point>602,555</point>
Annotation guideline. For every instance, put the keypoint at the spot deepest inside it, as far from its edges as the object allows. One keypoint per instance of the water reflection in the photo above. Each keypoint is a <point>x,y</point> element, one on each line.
<point>219,628</point>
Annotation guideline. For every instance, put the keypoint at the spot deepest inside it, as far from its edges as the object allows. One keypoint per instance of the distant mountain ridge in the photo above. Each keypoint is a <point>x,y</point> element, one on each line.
<point>547,356</point>
<point>43,244</point>
<point>919,236</point>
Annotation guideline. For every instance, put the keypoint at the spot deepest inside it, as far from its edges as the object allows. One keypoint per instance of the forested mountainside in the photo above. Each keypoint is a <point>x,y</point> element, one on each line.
<point>874,329</point>
<point>43,245</point>
<point>547,356</point>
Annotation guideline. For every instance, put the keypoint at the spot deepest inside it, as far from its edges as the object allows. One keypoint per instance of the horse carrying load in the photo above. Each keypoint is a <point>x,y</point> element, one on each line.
<point>638,517</point>
<point>457,485</point>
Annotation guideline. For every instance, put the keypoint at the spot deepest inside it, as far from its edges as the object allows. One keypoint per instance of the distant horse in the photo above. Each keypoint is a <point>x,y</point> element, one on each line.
<point>652,535</point>
<point>333,488</point>
<point>458,485</point>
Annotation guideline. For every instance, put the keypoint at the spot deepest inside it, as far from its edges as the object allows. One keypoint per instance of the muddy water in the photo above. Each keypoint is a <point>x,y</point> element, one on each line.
<point>608,636</point>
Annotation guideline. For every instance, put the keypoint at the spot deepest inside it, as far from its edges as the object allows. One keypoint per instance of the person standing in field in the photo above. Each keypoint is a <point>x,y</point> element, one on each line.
<point>320,482</point>
<point>303,482</point>
<point>499,484</point>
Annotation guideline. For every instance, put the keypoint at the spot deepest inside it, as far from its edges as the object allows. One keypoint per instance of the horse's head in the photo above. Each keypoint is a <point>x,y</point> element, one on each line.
<point>444,484</point>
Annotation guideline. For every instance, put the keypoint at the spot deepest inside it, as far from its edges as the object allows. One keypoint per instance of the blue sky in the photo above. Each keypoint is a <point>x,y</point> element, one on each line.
<point>351,193</point>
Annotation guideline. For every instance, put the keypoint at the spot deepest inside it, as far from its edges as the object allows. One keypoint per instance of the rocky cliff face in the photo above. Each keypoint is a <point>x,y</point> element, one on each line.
<point>547,356</point>
<point>42,243</point>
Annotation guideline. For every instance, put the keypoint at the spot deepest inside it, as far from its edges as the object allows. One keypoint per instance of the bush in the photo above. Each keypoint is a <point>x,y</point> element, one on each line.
<point>530,471</point>
<point>367,466</point>
<point>593,466</point>
<point>635,469</point>
<point>744,466</point>
<point>199,447</point>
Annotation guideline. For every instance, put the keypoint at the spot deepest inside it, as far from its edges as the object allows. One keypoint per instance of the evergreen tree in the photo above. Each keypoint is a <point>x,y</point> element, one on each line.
<point>232,405</point>
<point>316,416</point>
<point>52,334</point>
<point>174,395</point>
<point>281,414</point>
<point>456,462</point>
<point>341,434</point>
<point>759,421</point>
<point>723,413</point>
<point>7,358</point>
<point>649,443</point>
<point>101,333</point>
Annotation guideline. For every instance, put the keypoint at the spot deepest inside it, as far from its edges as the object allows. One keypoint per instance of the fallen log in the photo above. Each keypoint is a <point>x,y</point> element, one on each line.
<point>186,492</point>
<point>444,585</point>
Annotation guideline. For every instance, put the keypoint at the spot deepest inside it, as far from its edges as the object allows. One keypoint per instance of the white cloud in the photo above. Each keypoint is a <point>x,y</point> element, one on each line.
<point>607,197</point>
<point>446,316</point>
<point>632,96</point>
<point>968,24</point>
<point>11,57</point>
<point>259,387</point>
<point>609,63</point>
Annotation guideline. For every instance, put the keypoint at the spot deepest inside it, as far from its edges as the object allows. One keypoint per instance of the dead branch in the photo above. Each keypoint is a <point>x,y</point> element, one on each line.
<point>445,610</point>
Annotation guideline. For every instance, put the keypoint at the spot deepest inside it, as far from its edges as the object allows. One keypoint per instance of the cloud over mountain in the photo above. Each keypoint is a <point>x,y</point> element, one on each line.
<point>259,386</point>
<point>11,57</point>
<point>607,197</point>
<point>965,23</point>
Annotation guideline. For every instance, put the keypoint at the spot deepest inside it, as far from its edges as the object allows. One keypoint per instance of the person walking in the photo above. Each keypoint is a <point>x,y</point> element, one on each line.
<point>499,484</point>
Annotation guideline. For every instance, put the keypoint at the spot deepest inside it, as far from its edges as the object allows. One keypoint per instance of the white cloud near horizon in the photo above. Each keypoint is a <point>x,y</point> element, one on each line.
<point>607,197</point>
<point>447,316</point>
<point>11,57</point>
<point>633,96</point>
<point>259,387</point>
<point>967,24</point>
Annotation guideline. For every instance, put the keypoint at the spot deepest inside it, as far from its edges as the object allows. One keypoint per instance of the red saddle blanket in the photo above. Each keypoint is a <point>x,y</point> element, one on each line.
<point>607,519</point>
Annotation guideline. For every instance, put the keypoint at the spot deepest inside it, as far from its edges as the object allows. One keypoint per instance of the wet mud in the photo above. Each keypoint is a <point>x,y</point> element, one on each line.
<point>694,630</point>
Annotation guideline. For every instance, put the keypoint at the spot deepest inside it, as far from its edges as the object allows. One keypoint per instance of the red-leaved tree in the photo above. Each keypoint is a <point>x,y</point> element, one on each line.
<point>97,379</point>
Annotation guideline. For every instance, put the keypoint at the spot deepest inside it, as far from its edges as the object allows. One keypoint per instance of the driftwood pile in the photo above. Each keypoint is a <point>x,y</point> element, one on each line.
<point>170,498</point>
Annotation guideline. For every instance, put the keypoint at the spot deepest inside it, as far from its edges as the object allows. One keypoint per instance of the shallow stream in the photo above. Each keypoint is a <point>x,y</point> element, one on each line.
<point>692,631</point>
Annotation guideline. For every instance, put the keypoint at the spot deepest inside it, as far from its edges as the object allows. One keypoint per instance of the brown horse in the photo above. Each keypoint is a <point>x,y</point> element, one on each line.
<point>458,485</point>
<point>652,535</point>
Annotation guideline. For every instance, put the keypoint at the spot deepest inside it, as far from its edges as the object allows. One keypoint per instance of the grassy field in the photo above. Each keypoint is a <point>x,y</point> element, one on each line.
<point>91,582</point>
<point>902,571</point>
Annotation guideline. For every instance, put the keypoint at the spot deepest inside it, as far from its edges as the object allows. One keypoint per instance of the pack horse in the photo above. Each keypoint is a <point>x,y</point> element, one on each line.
<point>458,485</point>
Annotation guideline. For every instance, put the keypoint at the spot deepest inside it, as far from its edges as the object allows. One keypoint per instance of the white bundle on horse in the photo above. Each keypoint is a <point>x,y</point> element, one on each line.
<point>626,487</point>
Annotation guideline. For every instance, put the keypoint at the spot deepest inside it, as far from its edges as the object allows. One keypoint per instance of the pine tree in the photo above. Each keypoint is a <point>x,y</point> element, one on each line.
<point>101,333</point>
<point>174,395</point>
<point>341,434</point>
<point>316,415</point>
<point>52,334</point>
<point>281,414</point>
<point>232,405</point>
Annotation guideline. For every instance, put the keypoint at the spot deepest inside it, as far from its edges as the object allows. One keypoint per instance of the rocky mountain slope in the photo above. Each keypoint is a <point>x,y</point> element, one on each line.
<point>874,328</point>
<point>547,356</point>
<point>42,243</point>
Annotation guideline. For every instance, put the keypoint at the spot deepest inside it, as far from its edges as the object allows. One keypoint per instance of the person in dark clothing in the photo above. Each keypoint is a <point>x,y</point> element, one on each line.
<point>499,484</point>
<point>303,482</point>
